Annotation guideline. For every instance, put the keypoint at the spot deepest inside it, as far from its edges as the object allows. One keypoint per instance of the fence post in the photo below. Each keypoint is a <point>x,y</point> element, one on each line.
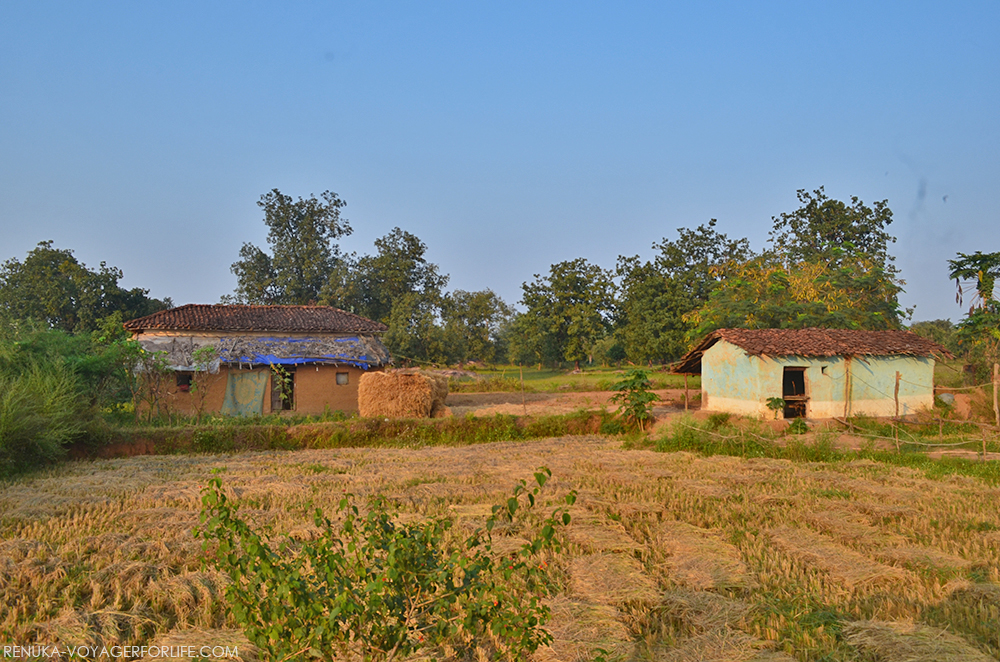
<point>895,394</point>
<point>685,391</point>
<point>996,387</point>
<point>895,420</point>
<point>524,406</point>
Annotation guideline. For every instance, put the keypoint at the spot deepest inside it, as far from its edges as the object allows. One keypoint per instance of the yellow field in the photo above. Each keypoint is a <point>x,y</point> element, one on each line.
<point>670,556</point>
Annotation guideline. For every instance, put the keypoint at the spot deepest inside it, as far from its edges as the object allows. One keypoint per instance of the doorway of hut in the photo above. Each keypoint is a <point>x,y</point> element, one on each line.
<point>793,392</point>
<point>282,388</point>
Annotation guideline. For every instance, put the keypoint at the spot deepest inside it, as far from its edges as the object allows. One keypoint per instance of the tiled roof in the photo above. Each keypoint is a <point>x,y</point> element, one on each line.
<point>309,319</point>
<point>814,342</point>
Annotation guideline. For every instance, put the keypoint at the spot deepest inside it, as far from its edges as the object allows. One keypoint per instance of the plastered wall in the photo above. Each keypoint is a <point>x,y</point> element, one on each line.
<point>735,382</point>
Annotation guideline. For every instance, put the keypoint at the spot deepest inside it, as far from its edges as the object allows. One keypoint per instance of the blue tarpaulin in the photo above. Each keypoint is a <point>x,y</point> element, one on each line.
<point>362,352</point>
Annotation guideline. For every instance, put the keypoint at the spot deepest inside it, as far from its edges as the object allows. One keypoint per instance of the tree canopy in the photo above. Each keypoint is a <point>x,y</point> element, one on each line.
<point>53,287</point>
<point>656,295</point>
<point>568,310</point>
<point>828,266</point>
<point>372,284</point>
<point>302,236</point>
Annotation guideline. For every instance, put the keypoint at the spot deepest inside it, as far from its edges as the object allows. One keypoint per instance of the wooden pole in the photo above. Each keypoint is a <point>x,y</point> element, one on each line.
<point>983,430</point>
<point>685,392</point>
<point>996,387</point>
<point>847,386</point>
<point>523,405</point>
<point>895,420</point>
<point>895,394</point>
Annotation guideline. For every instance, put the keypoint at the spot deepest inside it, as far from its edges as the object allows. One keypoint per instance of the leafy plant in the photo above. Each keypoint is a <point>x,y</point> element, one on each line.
<point>635,397</point>
<point>775,405</point>
<point>379,588</point>
<point>798,426</point>
<point>283,382</point>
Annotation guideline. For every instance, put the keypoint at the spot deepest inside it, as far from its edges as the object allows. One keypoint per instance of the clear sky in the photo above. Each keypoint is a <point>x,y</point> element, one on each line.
<point>506,135</point>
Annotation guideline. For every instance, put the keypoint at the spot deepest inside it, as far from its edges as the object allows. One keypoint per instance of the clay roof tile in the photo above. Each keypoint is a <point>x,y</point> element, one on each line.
<point>225,317</point>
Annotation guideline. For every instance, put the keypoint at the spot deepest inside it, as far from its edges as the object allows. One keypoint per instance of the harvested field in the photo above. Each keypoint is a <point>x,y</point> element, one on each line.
<point>671,556</point>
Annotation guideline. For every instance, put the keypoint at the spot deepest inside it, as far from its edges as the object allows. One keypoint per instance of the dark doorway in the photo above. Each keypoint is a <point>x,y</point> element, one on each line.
<point>793,392</point>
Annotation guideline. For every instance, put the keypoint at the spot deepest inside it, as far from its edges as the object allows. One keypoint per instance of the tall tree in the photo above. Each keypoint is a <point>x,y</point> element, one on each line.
<point>821,224</point>
<point>984,269</point>
<point>476,321</point>
<point>768,291</point>
<point>828,266</point>
<point>656,295</point>
<point>979,331</point>
<point>302,236</point>
<point>374,283</point>
<point>53,287</point>
<point>569,309</point>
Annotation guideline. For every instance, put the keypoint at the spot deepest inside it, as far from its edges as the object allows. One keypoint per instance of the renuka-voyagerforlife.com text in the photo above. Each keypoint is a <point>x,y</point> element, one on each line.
<point>94,652</point>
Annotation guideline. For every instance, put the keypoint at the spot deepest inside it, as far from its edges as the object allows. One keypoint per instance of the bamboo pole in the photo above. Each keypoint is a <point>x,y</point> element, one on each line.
<point>685,391</point>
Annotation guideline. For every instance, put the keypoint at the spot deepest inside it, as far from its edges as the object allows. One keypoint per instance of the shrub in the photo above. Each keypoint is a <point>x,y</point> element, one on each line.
<point>380,588</point>
<point>635,397</point>
<point>41,410</point>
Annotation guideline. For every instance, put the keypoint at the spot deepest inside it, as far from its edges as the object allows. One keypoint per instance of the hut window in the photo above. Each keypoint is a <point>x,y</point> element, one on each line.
<point>341,379</point>
<point>183,381</point>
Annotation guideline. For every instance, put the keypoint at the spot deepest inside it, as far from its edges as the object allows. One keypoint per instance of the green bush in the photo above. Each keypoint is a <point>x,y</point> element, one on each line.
<point>41,410</point>
<point>377,588</point>
<point>635,397</point>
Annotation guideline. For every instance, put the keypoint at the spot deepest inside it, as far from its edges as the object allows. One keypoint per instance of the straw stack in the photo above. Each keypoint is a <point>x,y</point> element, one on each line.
<point>402,394</point>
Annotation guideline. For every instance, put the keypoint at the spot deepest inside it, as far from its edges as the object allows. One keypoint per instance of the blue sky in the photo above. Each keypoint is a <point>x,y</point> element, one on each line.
<point>507,136</point>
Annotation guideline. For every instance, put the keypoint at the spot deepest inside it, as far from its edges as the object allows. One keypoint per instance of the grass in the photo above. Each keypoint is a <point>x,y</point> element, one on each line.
<point>747,438</point>
<point>707,548</point>
<point>274,433</point>
<point>592,378</point>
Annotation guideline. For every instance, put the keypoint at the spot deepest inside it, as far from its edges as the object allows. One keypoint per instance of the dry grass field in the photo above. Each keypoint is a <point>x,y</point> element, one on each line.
<point>670,556</point>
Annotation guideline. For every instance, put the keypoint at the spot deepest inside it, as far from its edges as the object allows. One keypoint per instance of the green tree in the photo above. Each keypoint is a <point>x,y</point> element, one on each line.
<point>301,235</point>
<point>400,288</point>
<point>656,295</point>
<point>821,224</point>
<point>374,283</point>
<point>414,332</point>
<point>828,266</point>
<point>943,332</point>
<point>569,309</point>
<point>53,287</point>
<point>635,398</point>
<point>979,331</point>
<point>476,321</point>
<point>984,268</point>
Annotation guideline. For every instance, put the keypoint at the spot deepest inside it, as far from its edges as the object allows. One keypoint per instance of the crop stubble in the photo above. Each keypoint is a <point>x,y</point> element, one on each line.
<point>671,556</point>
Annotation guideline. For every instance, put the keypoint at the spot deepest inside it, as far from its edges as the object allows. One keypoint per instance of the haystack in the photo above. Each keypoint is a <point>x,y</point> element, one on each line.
<point>402,394</point>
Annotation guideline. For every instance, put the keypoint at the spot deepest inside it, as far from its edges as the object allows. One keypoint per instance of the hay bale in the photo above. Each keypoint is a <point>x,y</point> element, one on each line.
<point>398,394</point>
